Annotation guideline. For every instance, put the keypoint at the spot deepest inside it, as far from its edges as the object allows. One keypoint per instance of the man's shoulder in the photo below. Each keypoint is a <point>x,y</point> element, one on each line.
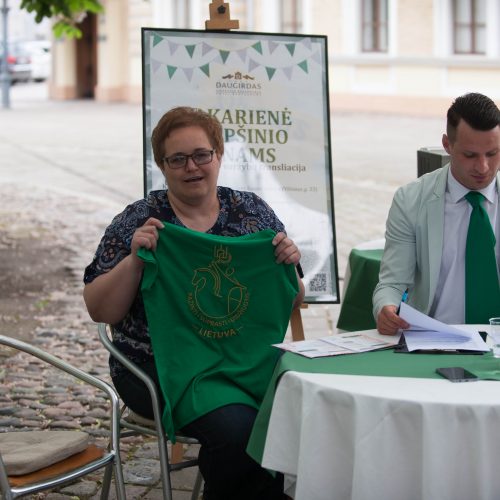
<point>426,185</point>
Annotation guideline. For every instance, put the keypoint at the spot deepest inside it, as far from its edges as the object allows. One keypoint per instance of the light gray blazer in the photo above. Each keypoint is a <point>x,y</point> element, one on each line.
<point>414,243</point>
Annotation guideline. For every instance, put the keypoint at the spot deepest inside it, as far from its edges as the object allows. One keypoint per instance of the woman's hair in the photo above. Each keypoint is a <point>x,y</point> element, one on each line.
<point>185,116</point>
<point>478,110</point>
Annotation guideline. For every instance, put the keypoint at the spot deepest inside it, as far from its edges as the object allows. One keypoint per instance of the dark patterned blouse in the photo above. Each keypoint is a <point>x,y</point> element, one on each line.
<point>241,212</point>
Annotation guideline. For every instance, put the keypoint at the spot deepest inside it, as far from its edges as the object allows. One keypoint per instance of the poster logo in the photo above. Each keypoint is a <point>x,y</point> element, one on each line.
<point>238,84</point>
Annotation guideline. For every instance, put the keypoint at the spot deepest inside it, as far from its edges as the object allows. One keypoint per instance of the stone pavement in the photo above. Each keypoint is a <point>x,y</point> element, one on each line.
<point>68,167</point>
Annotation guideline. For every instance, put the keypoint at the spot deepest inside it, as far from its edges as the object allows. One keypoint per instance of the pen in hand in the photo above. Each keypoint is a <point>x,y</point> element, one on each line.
<point>404,298</point>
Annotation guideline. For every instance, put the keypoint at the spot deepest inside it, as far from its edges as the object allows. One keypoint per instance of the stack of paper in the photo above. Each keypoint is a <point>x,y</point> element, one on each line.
<point>342,343</point>
<point>426,333</point>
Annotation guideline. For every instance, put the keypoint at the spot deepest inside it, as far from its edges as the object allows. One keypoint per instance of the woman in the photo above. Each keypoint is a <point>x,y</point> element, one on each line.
<point>188,148</point>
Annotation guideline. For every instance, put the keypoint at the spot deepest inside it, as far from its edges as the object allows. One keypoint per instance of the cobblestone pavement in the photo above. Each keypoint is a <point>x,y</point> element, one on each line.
<point>67,168</point>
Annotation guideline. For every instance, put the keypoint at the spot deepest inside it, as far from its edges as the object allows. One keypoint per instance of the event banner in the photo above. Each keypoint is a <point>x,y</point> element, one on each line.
<point>270,93</point>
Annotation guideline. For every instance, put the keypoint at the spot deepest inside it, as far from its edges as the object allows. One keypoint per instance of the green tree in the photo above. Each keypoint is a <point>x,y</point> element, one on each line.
<point>67,14</point>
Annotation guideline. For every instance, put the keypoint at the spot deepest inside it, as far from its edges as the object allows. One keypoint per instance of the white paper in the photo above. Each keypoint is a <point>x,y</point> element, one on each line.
<point>342,343</point>
<point>427,333</point>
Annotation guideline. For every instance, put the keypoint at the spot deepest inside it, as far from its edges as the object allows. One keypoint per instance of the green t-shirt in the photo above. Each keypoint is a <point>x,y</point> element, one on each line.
<point>214,305</point>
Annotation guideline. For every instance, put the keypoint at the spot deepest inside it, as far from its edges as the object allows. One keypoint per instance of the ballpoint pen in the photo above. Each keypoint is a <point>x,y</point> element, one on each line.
<point>404,298</point>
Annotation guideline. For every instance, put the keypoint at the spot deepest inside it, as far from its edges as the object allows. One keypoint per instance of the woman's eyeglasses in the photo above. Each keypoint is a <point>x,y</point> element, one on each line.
<point>180,161</point>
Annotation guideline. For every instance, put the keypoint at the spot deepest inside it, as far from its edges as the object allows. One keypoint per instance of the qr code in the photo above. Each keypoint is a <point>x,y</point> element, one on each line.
<point>318,283</point>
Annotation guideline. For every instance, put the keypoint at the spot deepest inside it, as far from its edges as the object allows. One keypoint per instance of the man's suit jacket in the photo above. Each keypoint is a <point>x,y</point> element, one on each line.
<point>414,243</point>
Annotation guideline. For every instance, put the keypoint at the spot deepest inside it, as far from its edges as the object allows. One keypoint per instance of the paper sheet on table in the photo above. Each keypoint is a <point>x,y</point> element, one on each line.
<point>428,333</point>
<point>342,343</point>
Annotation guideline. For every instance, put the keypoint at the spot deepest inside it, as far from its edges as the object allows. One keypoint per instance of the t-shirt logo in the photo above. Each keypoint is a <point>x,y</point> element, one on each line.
<point>218,298</point>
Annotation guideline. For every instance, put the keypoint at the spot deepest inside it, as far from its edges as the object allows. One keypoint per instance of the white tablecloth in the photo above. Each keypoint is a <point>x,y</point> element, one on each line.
<point>382,438</point>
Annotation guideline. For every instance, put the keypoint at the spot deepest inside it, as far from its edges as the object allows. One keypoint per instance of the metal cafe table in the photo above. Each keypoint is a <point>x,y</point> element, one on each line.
<point>381,425</point>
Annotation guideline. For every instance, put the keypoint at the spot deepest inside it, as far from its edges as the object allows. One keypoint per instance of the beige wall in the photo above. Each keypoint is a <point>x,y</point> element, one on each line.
<point>410,71</point>
<point>414,21</point>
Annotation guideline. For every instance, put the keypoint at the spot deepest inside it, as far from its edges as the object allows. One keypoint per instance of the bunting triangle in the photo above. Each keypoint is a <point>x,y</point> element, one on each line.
<point>155,64</point>
<point>290,47</point>
<point>258,47</point>
<point>206,69</point>
<point>270,72</point>
<point>316,57</point>
<point>156,39</point>
<point>252,65</point>
<point>288,71</point>
<point>171,70</point>
<point>303,65</point>
<point>272,46</point>
<point>242,54</point>
<point>306,42</point>
<point>190,50</point>
<point>188,72</point>
<point>205,48</point>
<point>173,47</point>
<point>224,54</point>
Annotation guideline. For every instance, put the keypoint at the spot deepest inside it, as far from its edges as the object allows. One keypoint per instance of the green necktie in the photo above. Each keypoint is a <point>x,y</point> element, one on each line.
<point>482,288</point>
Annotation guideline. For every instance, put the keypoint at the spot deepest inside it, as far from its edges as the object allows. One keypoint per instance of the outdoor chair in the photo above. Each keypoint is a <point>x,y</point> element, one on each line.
<point>34,461</point>
<point>133,424</point>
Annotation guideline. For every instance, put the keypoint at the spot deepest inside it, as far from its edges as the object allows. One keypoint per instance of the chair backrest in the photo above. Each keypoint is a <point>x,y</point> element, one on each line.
<point>136,424</point>
<point>78,464</point>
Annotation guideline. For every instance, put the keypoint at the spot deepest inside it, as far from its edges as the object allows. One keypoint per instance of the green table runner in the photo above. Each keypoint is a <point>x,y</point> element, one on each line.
<point>378,363</point>
<point>356,310</point>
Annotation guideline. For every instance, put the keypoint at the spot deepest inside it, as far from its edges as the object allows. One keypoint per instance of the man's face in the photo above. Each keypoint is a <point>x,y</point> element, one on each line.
<point>474,155</point>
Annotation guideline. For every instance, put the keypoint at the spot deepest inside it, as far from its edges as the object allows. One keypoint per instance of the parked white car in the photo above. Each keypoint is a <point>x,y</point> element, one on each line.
<point>41,59</point>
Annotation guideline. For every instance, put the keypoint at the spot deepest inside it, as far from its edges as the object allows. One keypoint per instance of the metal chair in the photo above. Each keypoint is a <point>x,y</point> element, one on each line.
<point>134,424</point>
<point>75,466</point>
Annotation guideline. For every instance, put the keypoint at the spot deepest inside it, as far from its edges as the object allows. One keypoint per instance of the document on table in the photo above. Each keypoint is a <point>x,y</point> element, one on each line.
<point>426,333</point>
<point>342,343</point>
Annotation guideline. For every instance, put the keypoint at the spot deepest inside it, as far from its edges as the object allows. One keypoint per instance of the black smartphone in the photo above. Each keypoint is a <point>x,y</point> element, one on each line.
<point>457,374</point>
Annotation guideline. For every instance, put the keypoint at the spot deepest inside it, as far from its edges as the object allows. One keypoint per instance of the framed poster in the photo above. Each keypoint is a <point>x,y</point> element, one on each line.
<point>270,92</point>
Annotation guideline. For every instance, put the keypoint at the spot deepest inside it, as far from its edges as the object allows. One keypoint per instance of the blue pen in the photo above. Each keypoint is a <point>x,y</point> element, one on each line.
<point>404,298</point>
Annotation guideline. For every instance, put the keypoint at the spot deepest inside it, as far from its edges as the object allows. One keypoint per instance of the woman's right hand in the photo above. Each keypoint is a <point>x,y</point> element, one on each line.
<point>146,236</point>
<point>110,296</point>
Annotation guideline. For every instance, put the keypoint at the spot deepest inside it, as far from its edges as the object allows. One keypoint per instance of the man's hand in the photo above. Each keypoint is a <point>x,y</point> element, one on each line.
<point>388,322</point>
<point>286,251</point>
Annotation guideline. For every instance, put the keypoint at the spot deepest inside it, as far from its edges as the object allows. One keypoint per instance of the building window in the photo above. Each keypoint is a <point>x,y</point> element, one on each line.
<point>374,26</point>
<point>291,19</point>
<point>469,26</point>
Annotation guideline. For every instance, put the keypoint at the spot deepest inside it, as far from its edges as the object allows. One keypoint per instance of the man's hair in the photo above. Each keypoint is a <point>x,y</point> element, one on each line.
<point>184,116</point>
<point>478,110</point>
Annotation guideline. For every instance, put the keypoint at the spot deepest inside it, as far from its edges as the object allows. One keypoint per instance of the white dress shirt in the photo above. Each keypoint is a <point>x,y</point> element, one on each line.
<point>449,300</point>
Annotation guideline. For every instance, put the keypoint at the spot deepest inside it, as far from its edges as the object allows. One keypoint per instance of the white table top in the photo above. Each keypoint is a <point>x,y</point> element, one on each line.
<point>360,437</point>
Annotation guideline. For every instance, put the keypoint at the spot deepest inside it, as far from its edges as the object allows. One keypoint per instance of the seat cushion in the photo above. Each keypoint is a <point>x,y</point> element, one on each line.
<point>24,452</point>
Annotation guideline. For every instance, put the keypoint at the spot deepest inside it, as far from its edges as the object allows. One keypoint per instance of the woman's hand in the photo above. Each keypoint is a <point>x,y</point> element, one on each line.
<point>110,296</point>
<point>146,236</point>
<point>286,250</point>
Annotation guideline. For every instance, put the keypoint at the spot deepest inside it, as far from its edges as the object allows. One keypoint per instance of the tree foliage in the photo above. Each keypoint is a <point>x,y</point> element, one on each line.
<point>67,14</point>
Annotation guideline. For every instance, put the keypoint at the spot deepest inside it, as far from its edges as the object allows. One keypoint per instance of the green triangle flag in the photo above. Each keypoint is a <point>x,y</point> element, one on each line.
<point>206,69</point>
<point>156,39</point>
<point>258,47</point>
<point>290,47</point>
<point>224,54</point>
<point>190,49</point>
<point>303,65</point>
<point>270,72</point>
<point>171,70</point>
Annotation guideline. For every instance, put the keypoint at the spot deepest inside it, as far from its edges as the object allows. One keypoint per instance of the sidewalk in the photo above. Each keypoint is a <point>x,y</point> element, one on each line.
<point>68,167</point>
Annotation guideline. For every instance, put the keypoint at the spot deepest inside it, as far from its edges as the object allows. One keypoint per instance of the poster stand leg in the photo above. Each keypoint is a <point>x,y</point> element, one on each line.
<point>296,323</point>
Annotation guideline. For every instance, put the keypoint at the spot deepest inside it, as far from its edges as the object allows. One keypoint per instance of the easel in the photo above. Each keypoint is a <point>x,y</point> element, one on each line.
<point>220,19</point>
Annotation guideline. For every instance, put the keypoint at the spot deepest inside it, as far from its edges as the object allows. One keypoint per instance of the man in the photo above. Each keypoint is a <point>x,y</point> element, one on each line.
<point>426,233</point>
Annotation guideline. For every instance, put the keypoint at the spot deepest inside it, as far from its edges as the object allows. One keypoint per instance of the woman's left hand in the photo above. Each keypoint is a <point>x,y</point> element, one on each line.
<point>286,250</point>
